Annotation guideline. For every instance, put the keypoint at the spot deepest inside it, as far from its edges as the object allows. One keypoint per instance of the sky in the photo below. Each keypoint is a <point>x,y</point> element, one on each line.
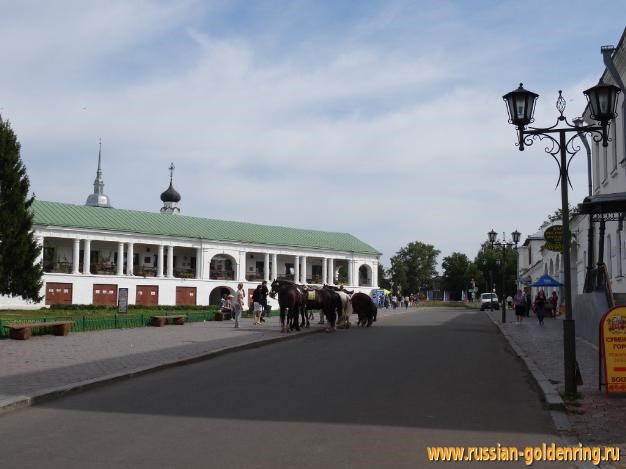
<point>383,119</point>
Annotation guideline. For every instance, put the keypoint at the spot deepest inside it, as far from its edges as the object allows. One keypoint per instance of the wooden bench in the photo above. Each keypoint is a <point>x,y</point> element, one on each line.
<point>24,331</point>
<point>160,321</point>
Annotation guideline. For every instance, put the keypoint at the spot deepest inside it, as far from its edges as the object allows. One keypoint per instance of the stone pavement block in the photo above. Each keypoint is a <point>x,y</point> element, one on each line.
<point>594,418</point>
<point>47,365</point>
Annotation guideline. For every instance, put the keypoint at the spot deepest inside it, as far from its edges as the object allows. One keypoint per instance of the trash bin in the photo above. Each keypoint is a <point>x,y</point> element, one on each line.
<point>268,311</point>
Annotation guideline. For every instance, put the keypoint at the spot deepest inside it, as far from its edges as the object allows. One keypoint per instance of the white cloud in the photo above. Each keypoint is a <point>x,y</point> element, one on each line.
<point>356,136</point>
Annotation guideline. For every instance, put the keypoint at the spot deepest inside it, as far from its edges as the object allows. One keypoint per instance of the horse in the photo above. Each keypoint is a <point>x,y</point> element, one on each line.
<point>291,299</point>
<point>346,305</point>
<point>365,308</point>
<point>326,300</point>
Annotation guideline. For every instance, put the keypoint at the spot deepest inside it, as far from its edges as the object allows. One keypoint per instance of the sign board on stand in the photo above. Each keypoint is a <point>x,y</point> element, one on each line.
<point>122,300</point>
<point>613,350</point>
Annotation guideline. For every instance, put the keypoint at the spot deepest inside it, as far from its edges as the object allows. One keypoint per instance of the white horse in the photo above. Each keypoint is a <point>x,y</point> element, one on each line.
<point>346,309</point>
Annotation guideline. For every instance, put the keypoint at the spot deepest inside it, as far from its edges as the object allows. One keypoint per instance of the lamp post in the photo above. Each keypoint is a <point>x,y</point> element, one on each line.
<point>602,100</point>
<point>504,245</point>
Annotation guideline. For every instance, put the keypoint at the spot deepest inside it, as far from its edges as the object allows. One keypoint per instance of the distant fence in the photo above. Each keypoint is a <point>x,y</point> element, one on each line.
<point>83,323</point>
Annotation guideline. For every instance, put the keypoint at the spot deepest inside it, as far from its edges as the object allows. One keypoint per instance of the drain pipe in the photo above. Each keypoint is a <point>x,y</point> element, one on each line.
<point>578,122</point>
<point>607,57</point>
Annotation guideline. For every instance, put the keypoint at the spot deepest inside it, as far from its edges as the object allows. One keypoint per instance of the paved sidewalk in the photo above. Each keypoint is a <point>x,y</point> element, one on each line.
<point>596,419</point>
<point>47,365</point>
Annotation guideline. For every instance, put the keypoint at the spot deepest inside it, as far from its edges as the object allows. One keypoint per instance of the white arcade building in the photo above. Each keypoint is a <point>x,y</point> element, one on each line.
<point>91,251</point>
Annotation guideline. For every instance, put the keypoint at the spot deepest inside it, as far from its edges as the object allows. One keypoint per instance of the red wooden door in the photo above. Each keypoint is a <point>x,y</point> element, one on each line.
<point>58,293</point>
<point>105,294</point>
<point>147,295</point>
<point>185,295</point>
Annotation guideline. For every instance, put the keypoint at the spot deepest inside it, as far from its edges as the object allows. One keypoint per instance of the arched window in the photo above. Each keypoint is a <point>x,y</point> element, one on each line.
<point>222,267</point>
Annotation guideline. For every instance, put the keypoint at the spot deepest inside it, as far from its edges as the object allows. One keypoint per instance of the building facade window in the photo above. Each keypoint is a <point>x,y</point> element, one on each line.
<point>609,256</point>
<point>596,172</point>
<point>614,148</point>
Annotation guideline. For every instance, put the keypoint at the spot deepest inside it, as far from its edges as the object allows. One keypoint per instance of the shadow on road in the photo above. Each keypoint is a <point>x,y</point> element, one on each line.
<point>439,369</point>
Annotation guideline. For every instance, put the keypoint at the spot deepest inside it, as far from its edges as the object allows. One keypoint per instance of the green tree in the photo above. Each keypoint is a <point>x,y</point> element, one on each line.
<point>489,262</point>
<point>20,275</point>
<point>456,273</point>
<point>383,279</point>
<point>413,266</point>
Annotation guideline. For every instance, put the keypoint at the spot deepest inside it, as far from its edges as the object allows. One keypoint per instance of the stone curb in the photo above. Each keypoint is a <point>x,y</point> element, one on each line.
<point>552,397</point>
<point>19,402</point>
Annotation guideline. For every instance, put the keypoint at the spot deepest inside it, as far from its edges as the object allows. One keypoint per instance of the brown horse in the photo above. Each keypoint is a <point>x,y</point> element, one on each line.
<point>291,302</point>
<point>325,300</point>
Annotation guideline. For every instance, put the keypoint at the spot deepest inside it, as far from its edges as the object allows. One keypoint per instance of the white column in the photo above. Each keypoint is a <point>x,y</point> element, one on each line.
<point>274,266</point>
<point>304,259</point>
<point>350,272</point>
<point>324,270</point>
<point>160,261</point>
<point>331,271</point>
<point>86,256</point>
<point>120,258</point>
<point>296,268</point>
<point>375,274</point>
<point>242,266</point>
<point>76,257</point>
<point>198,263</point>
<point>266,267</point>
<point>170,261</point>
<point>130,253</point>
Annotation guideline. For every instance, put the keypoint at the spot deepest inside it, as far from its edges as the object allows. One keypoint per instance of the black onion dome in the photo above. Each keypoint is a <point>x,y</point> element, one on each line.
<point>170,195</point>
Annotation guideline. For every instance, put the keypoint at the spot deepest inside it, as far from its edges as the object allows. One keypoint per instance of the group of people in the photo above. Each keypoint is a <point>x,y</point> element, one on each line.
<point>397,301</point>
<point>523,304</point>
<point>235,304</point>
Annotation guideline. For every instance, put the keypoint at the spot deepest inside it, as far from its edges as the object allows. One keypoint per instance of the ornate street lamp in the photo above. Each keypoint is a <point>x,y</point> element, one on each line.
<point>520,104</point>
<point>504,245</point>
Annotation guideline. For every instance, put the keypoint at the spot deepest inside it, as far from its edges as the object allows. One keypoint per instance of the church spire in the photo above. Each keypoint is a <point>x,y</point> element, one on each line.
<point>98,198</point>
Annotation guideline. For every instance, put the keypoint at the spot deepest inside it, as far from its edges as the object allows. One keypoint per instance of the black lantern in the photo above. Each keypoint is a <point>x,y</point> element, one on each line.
<point>520,104</point>
<point>515,235</point>
<point>492,236</point>
<point>602,100</point>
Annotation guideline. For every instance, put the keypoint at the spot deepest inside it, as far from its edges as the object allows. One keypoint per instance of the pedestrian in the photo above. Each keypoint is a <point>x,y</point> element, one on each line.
<point>520,305</point>
<point>540,304</point>
<point>554,303</point>
<point>257,306</point>
<point>237,306</point>
<point>264,293</point>
<point>529,302</point>
<point>406,302</point>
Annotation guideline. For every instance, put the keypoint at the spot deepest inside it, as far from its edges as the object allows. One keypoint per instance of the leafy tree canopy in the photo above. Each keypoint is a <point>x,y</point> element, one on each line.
<point>456,273</point>
<point>413,266</point>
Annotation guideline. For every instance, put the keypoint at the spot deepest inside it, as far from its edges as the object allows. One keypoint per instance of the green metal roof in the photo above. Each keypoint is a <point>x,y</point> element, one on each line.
<point>132,221</point>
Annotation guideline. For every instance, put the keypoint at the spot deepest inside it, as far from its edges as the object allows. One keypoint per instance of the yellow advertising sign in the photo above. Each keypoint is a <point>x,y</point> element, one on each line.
<point>554,238</point>
<point>613,349</point>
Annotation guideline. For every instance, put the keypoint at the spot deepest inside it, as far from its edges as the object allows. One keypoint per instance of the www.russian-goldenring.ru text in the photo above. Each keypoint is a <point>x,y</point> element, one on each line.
<point>528,454</point>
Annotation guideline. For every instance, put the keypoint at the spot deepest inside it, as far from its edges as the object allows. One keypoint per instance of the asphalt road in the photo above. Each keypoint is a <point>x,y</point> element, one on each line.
<point>359,398</point>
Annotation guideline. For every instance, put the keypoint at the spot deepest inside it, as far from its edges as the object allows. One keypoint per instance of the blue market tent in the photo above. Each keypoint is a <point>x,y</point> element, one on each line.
<point>546,281</point>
